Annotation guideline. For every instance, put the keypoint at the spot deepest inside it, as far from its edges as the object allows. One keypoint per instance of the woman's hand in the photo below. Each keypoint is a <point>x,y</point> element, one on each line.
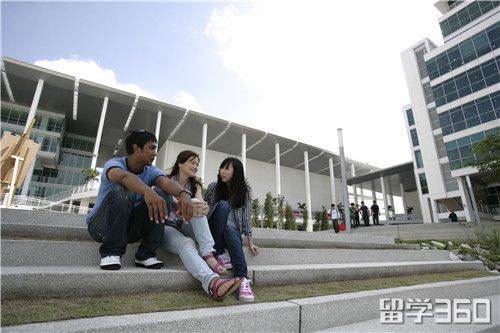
<point>254,249</point>
<point>200,208</point>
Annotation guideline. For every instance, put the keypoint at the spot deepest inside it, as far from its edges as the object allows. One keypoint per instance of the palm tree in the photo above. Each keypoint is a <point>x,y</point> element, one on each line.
<point>91,175</point>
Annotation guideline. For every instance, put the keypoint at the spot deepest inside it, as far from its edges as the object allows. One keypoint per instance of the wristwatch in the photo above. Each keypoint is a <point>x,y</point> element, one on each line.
<point>185,191</point>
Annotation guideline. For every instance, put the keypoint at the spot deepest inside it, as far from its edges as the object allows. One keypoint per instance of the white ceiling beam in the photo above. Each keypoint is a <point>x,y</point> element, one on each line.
<point>220,135</point>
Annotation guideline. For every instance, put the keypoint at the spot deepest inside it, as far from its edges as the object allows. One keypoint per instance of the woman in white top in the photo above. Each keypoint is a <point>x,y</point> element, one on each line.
<point>179,236</point>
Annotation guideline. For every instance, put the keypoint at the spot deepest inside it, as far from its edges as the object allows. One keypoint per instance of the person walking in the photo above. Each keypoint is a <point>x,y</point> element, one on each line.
<point>365,214</point>
<point>375,213</point>
<point>334,214</point>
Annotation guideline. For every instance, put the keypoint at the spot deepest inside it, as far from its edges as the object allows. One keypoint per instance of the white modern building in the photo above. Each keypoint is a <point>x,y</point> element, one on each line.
<point>454,103</point>
<point>81,124</point>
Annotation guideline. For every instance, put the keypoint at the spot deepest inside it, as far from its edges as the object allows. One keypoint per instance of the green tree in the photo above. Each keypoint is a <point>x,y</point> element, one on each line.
<point>290,223</point>
<point>90,174</point>
<point>305,215</point>
<point>255,213</point>
<point>487,161</point>
<point>317,221</point>
<point>269,211</point>
<point>280,210</point>
<point>324,219</point>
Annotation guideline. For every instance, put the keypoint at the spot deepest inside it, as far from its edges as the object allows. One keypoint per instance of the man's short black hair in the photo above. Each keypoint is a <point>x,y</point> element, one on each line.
<point>139,137</point>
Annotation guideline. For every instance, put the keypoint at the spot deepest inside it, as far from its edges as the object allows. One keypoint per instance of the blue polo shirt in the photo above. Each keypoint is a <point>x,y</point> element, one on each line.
<point>148,177</point>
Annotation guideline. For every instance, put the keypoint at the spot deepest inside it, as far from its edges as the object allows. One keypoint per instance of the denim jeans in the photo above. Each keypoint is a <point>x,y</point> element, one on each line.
<point>117,222</point>
<point>181,242</point>
<point>228,236</point>
<point>375,219</point>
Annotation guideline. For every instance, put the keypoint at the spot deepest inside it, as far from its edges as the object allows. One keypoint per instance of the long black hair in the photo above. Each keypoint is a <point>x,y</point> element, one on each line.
<point>183,157</point>
<point>236,192</point>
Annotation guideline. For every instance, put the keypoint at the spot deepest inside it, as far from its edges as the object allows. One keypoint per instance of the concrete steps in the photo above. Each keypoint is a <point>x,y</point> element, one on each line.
<point>50,254</point>
<point>29,281</point>
<point>336,313</point>
<point>25,252</point>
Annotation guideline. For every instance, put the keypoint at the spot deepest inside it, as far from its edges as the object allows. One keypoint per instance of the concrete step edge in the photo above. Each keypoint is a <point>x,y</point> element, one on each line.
<point>290,316</point>
<point>54,281</point>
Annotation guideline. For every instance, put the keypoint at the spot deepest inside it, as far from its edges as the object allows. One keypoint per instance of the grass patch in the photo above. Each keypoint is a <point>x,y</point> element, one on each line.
<point>33,310</point>
<point>456,242</point>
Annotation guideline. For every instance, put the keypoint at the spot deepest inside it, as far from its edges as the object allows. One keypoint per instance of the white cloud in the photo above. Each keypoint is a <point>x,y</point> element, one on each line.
<point>88,69</point>
<point>320,65</point>
<point>186,100</point>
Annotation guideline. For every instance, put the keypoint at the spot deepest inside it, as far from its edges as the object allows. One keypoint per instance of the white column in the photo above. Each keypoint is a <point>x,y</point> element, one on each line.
<point>203,151</point>
<point>473,199</point>
<point>382,183</point>
<point>157,131</point>
<point>354,188</point>
<point>244,152</point>
<point>462,188</point>
<point>277,163</point>
<point>34,104</point>
<point>99,132</point>
<point>403,196</point>
<point>308,192</point>
<point>361,192</point>
<point>374,194</point>
<point>27,180</point>
<point>345,196</point>
<point>332,181</point>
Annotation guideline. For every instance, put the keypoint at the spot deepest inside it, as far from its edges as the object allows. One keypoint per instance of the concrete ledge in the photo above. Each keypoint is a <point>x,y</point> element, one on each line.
<point>82,281</point>
<point>45,231</point>
<point>276,275</point>
<point>74,280</point>
<point>264,317</point>
<point>327,312</point>
<point>22,252</point>
<point>298,315</point>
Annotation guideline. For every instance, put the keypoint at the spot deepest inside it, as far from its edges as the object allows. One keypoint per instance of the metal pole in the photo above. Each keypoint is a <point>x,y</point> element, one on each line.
<point>308,192</point>
<point>277,165</point>
<point>332,181</point>
<point>345,196</point>
<point>203,151</point>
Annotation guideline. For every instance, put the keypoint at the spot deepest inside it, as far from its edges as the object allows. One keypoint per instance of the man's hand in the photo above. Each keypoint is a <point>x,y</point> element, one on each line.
<point>186,206</point>
<point>157,208</point>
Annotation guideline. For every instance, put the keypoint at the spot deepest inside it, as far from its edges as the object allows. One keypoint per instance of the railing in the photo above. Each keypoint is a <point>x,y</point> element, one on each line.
<point>66,195</point>
<point>33,203</point>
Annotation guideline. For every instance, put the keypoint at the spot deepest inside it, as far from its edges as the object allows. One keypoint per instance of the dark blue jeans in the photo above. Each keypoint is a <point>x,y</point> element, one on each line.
<point>117,222</point>
<point>227,236</point>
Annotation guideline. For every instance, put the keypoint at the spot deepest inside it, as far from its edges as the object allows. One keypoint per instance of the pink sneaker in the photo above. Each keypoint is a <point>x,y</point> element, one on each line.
<point>224,261</point>
<point>245,293</point>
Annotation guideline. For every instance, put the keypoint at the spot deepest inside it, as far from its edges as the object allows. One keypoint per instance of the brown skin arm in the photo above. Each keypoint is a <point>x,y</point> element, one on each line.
<point>184,199</point>
<point>157,208</point>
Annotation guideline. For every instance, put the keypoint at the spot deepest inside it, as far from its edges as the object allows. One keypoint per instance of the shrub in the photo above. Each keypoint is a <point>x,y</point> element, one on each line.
<point>255,213</point>
<point>269,211</point>
<point>324,219</point>
<point>290,223</point>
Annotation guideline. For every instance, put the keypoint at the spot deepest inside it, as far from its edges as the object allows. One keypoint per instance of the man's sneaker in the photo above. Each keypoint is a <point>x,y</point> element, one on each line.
<point>224,261</point>
<point>150,263</point>
<point>245,294</point>
<point>111,263</point>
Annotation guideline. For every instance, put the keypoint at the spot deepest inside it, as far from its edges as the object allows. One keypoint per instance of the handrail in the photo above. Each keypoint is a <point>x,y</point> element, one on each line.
<point>34,203</point>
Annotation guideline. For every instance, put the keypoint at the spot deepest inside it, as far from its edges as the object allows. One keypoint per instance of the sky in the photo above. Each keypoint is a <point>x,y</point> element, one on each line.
<point>298,69</point>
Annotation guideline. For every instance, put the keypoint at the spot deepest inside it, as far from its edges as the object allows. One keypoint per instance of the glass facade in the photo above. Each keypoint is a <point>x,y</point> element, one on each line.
<point>414,137</point>
<point>418,159</point>
<point>479,111</point>
<point>466,15</point>
<point>466,51</point>
<point>74,155</point>
<point>460,151</point>
<point>409,116</point>
<point>423,183</point>
<point>475,79</point>
<point>493,199</point>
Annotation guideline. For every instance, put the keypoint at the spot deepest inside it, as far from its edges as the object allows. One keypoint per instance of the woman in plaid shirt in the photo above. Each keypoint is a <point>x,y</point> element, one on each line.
<point>229,201</point>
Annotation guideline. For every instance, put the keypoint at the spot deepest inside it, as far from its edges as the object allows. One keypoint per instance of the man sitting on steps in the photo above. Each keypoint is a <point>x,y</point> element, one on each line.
<point>128,209</point>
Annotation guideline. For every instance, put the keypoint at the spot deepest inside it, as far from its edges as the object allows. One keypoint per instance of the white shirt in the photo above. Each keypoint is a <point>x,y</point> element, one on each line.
<point>334,213</point>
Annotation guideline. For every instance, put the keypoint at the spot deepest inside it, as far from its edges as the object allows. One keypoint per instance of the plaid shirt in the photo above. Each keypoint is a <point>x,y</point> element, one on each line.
<point>242,214</point>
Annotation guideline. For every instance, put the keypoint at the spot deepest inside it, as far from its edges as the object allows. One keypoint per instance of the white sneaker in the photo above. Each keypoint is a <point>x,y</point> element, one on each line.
<point>151,263</point>
<point>245,293</point>
<point>111,263</point>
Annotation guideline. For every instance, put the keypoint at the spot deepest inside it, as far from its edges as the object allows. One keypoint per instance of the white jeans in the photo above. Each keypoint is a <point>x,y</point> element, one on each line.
<point>181,242</point>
